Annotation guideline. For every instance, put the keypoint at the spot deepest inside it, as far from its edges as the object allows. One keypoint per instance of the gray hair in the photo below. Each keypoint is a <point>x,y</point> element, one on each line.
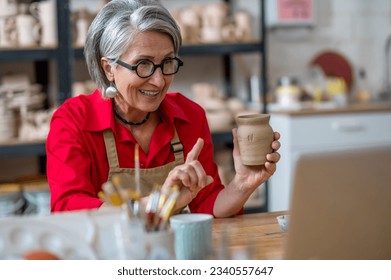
<point>114,28</point>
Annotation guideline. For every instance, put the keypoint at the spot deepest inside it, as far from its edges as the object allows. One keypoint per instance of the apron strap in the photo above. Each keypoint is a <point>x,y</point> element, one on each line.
<point>177,149</point>
<point>111,150</point>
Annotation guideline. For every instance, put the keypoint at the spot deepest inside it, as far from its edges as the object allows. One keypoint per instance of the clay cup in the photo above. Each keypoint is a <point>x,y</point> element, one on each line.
<point>255,137</point>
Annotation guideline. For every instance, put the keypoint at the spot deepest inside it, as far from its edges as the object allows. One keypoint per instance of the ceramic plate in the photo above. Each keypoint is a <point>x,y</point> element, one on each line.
<point>335,64</point>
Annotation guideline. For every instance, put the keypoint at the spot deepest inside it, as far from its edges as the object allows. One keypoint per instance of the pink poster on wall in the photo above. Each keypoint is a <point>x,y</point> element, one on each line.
<point>295,10</point>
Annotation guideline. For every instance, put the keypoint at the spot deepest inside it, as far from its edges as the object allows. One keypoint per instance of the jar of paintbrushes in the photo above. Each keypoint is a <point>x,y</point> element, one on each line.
<point>149,224</point>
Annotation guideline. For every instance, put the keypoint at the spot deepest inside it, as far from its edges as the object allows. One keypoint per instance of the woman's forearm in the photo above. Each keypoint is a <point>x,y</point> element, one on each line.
<point>231,199</point>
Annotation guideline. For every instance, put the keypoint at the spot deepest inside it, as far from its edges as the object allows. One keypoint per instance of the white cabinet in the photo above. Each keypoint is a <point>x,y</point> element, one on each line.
<point>321,132</point>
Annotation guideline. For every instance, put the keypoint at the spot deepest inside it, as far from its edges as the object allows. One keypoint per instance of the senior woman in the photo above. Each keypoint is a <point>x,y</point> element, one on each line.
<point>132,55</point>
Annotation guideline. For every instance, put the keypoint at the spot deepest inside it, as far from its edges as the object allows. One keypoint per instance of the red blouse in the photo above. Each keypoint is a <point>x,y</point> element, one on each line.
<point>77,163</point>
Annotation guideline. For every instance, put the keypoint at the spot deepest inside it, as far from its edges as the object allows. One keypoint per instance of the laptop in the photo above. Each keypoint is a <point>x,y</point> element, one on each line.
<point>341,206</point>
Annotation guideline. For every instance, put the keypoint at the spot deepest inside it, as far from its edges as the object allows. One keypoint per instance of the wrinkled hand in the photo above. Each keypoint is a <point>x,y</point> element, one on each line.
<point>190,176</point>
<point>256,175</point>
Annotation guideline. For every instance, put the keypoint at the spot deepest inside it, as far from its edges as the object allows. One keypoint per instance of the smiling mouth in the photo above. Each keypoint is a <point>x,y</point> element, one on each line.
<point>149,93</point>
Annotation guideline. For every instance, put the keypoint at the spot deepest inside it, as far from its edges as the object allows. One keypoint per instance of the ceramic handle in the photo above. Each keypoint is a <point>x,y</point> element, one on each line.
<point>37,31</point>
<point>34,9</point>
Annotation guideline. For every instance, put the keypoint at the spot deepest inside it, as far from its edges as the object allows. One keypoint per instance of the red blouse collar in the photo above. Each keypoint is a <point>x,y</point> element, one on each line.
<point>99,111</point>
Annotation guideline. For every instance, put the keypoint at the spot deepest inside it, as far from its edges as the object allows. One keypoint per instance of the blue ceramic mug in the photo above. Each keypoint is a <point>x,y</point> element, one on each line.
<point>193,236</point>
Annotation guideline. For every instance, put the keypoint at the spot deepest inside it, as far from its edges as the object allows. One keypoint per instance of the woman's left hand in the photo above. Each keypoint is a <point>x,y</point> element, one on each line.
<point>253,176</point>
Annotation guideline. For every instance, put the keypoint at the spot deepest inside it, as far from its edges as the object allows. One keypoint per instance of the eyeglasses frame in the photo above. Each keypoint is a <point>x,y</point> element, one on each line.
<point>155,66</point>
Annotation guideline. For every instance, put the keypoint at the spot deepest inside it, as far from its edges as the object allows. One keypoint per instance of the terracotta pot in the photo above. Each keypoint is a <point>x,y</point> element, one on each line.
<point>255,137</point>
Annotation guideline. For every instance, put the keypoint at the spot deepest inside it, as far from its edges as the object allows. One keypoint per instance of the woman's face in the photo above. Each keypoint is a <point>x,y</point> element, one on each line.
<point>143,94</point>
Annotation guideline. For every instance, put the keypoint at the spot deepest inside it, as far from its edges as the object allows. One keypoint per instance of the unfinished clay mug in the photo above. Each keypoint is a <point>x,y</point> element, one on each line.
<point>255,137</point>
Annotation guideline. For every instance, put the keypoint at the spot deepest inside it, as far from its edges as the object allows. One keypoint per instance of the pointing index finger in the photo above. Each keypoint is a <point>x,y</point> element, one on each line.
<point>195,151</point>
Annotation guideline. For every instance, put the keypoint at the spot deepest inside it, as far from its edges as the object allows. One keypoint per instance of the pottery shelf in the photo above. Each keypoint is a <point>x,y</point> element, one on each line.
<point>62,55</point>
<point>15,148</point>
<point>30,148</point>
<point>221,49</point>
<point>29,54</point>
<point>207,49</point>
<point>222,137</point>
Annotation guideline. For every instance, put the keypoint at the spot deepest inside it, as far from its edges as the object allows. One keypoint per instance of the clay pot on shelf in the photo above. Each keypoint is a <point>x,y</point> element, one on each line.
<point>8,32</point>
<point>255,137</point>
<point>45,12</point>
<point>28,29</point>
<point>219,120</point>
<point>243,32</point>
<point>82,24</point>
<point>213,19</point>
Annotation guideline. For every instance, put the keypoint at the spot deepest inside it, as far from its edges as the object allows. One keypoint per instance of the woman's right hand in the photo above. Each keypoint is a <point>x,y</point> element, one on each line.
<point>190,177</point>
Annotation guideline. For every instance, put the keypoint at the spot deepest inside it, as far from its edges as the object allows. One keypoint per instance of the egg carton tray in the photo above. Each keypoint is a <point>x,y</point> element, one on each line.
<point>81,235</point>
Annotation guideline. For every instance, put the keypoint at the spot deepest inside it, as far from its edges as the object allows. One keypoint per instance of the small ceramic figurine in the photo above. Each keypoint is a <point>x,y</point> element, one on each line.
<point>242,26</point>
<point>46,12</point>
<point>229,32</point>
<point>8,33</point>
<point>190,19</point>
<point>213,19</point>
<point>82,24</point>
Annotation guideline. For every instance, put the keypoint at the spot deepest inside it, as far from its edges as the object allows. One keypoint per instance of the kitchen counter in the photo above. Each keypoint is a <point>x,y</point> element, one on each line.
<point>329,108</point>
<point>309,130</point>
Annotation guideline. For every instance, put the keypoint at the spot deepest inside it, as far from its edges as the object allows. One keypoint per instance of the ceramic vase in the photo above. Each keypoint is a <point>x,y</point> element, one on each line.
<point>46,13</point>
<point>255,137</point>
<point>28,29</point>
<point>82,25</point>
<point>8,33</point>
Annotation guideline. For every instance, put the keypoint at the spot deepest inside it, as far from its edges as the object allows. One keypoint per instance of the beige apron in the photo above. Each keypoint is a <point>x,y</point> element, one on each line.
<point>148,176</point>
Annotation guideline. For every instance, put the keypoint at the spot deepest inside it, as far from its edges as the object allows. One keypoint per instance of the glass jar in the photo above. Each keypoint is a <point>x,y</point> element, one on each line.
<point>288,91</point>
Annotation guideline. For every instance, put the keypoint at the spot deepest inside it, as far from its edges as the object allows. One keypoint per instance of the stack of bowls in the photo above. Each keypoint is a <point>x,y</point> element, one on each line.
<point>11,200</point>
<point>7,121</point>
<point>37,195</point>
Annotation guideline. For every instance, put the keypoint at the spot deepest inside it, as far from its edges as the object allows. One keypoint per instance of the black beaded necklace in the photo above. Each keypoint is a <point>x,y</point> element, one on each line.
<point>132,123</point>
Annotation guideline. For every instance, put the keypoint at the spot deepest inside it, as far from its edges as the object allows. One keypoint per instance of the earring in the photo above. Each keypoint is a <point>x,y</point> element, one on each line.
<point>111,91</point>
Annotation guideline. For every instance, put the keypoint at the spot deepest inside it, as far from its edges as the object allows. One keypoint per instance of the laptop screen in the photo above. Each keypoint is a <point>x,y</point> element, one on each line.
<point>341,206</point>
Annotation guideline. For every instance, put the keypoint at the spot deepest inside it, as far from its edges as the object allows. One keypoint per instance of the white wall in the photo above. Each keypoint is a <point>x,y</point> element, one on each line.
<point>357,29</point>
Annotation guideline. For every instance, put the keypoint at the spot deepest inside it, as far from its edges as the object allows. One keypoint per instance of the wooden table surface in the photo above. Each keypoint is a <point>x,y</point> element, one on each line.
<point>249,236</point>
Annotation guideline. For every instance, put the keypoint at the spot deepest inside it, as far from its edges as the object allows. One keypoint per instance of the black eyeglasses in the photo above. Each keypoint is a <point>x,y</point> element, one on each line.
<point>146,68</point>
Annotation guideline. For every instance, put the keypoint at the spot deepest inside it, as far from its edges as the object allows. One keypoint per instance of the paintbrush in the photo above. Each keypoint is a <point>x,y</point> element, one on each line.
<point>168,208</point>
<point>123,192</point>
<point>151,209</point>
<point>125,195</point>
<point>136,196</point>
<point>111,194</point>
